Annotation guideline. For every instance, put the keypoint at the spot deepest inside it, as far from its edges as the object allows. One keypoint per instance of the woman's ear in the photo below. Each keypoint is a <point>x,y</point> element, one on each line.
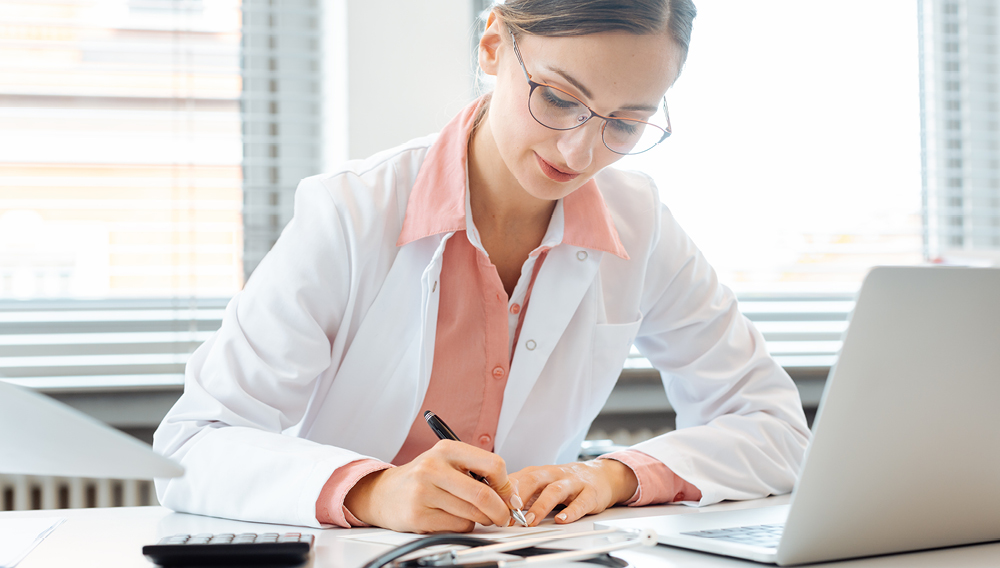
<point>489,45</point>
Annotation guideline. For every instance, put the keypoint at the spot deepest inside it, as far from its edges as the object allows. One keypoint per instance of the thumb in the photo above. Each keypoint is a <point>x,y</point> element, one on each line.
<point>508,492</point>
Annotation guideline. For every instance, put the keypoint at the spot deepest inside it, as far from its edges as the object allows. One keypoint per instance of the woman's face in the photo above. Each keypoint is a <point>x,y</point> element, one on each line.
<point>612,72</point>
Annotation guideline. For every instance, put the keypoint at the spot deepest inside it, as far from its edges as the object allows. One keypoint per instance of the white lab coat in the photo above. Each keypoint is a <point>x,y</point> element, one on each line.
<point>326,355</point>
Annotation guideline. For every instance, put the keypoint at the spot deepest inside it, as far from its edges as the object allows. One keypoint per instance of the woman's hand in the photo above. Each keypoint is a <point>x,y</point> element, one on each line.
<point>435,493</point>
<point>585,488</point>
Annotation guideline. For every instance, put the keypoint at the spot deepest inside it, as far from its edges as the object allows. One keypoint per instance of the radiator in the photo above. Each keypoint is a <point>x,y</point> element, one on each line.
<point>27,492</point>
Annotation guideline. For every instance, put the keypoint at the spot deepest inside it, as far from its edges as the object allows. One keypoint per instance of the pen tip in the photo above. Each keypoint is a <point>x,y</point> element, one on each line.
<point>519,516</point>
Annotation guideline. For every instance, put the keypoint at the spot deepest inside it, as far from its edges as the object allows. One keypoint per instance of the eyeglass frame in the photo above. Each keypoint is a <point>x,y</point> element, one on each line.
<point>534,85</point>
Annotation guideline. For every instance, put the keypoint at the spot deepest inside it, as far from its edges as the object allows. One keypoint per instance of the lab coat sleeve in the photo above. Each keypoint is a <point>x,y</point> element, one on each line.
<point>253,379</point>
<point>741,432</point>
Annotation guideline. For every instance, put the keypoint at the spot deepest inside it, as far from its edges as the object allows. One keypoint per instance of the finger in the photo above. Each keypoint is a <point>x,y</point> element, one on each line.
<point>447,502</point>
<point>485,464</point>
<point>477,496</point>
<point>436,520</point>
<point>561,491</point>
<point>509,493</point>
<point>584,503</point>
<point>530,483</point>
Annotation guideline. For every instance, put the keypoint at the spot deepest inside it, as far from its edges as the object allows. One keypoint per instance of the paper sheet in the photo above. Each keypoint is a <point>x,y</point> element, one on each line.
<point>19,536</point>
<point>494,533</point>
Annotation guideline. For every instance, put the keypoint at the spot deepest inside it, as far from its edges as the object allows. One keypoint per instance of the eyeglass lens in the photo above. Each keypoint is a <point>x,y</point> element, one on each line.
<point>561,111</point>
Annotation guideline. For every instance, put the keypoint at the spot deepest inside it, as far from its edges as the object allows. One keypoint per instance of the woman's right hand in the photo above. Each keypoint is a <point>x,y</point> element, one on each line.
<point>435,493</point>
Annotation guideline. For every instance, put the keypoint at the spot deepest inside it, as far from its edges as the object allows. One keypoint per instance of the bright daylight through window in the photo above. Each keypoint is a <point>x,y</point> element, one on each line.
<point>795,158</point>
<point>149,150</point>
<point>120,150</point>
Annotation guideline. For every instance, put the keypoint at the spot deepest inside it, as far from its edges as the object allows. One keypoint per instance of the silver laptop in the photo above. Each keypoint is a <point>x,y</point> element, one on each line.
<point>905,453</point>
<point>40,436</point>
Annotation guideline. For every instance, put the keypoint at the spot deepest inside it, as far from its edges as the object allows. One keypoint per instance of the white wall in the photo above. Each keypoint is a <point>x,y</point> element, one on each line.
<point>408,68</point>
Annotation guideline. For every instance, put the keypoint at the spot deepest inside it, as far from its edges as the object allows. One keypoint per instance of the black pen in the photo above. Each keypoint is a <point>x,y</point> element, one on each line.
<point>443,432</point>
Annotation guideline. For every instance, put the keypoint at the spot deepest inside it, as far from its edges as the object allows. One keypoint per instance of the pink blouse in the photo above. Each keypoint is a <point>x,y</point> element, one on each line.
<point>478,324</point>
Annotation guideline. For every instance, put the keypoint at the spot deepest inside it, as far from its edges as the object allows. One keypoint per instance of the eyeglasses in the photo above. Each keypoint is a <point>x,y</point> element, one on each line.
<point>554,108</point>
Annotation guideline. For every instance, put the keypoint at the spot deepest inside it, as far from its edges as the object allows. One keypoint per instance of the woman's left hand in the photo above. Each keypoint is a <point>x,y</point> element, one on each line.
<point>584,487</point>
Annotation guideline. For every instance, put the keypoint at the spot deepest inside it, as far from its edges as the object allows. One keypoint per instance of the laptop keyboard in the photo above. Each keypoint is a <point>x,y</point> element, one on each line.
<point>766,536</point>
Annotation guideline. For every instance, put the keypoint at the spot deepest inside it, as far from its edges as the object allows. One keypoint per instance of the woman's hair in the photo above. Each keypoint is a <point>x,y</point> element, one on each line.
<point>582,17</point>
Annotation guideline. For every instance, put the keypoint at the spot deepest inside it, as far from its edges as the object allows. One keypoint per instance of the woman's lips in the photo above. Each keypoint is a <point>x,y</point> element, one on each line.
<point>553,172</point>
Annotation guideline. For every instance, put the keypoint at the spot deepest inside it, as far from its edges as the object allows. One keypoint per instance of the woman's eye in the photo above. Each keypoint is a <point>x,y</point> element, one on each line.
<point>557,101</point>
<point>626,127</point>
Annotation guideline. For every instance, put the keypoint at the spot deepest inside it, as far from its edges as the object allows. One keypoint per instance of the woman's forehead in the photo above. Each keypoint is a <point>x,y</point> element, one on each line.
<point>616,68</point>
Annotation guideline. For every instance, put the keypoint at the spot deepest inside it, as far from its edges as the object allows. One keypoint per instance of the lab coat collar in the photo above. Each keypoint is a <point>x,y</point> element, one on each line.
<point>439,203</point>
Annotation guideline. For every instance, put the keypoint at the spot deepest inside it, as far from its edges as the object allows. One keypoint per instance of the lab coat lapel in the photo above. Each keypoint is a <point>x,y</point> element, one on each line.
<point>562,283</point>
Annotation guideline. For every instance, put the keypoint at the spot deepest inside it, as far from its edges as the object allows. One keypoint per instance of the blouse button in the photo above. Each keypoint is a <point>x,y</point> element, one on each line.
<point>498,372</point>
<point>515,309</point>
<point>530,344</point>
<point>581,255</point>
<point>485,439</point>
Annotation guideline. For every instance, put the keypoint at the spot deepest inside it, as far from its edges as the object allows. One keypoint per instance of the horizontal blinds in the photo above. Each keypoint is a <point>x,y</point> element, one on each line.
<point>802,332</point>
<point>103,344</point>
<point>282,114</point>
<point>120,152</point>
<point>119,344</point>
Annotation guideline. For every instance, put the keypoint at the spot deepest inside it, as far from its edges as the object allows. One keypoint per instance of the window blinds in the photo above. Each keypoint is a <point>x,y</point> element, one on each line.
<point>119,148</point>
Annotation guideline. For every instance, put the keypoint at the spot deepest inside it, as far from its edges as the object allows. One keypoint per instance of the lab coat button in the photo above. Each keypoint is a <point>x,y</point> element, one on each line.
<point>515,309</point>
<point>485,439</point>
<point>434,287</point>
<point>498,372</point>
<point>530,344</point>
<point>581,255</point>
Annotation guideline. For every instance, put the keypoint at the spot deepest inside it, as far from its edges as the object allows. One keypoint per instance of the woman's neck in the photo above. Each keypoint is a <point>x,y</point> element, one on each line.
<point>499,203</point>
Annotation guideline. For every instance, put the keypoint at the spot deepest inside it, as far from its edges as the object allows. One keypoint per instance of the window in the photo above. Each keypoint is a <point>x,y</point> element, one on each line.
<point>748,172</point>
<point>120,160</point>
<point>120,186</point>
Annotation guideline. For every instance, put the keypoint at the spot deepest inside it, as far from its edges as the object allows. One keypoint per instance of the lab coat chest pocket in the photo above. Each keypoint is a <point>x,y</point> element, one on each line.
<point>609,350</point>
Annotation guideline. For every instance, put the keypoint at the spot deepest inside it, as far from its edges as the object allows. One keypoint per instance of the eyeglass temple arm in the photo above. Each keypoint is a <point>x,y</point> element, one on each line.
<point>666,112</point>
<point>517,52</point>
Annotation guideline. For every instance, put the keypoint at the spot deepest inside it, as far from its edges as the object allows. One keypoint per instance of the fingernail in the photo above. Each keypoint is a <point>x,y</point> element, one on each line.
<point>515,500</point>
<point>561,516</point>
<point>530,517</point>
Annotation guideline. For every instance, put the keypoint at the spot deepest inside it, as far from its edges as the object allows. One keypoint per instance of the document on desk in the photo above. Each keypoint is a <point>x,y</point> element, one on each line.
<point>18,537</point>
<point>392,538</point>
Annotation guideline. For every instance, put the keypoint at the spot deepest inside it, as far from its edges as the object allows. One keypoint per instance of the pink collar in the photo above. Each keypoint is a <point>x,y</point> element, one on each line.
<point>437,202</point>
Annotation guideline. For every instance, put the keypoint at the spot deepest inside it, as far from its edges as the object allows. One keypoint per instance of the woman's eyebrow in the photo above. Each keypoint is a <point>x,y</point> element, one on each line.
<point>586,92</point>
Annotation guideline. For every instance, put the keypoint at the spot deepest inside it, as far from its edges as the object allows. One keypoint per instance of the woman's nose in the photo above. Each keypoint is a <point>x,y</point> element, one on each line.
<point>577,145</point>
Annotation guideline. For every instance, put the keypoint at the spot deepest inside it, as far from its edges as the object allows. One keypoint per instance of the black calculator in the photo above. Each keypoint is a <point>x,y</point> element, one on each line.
<point>229,549</point>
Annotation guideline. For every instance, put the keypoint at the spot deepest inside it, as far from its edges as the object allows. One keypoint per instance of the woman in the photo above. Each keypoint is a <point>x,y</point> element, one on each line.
<point>496,274</point>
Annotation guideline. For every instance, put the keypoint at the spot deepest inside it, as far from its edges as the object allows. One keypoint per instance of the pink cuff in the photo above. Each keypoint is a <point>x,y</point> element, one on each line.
<point>335,491</point>
<point>657,482</point>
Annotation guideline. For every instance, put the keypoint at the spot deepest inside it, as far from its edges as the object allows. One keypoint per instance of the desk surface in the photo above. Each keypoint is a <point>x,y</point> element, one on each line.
<point>113,538</point>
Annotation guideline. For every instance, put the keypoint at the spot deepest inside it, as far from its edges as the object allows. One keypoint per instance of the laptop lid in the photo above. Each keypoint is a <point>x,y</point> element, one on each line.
<point>904,454</point>
<point>41,436</point>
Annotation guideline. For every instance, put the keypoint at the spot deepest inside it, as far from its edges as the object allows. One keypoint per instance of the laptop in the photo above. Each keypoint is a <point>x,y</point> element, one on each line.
<point>40,436</point>
<point>905,453</point>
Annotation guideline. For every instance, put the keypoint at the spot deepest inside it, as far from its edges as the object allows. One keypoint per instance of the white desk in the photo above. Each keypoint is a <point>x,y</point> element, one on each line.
<point>113,538</point>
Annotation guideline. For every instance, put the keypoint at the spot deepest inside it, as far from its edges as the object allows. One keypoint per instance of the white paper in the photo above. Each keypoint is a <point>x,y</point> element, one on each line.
<point>493,533</point>
<point>19,536</point>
